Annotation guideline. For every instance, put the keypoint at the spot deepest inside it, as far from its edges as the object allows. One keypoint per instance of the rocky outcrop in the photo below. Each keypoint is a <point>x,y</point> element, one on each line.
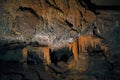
<point>48,22</point>
<point>33,23</point>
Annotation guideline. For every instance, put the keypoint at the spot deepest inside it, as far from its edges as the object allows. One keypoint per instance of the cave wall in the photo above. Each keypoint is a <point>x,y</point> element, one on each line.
<point>106,2</point>
<point>94,66</point>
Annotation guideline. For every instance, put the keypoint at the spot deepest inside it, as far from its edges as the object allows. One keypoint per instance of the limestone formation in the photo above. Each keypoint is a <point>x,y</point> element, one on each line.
<point>48,22</point>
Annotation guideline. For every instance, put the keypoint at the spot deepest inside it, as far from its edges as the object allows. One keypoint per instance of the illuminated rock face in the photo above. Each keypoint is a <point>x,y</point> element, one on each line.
<point>48,22</point>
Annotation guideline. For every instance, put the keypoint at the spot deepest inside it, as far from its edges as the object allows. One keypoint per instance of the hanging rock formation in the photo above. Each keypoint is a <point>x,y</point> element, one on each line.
<point>35,23</point>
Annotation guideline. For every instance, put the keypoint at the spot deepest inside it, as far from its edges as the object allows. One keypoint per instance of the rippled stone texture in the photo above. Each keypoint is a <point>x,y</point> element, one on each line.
<point>48,22</point>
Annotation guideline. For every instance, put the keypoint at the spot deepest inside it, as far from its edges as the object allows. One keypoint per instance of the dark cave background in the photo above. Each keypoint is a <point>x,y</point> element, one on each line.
<point>96,65</point>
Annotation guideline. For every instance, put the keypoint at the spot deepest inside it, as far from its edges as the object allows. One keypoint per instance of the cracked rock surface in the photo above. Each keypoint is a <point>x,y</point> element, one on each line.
<point>48,22</point>
<point>21,20</point>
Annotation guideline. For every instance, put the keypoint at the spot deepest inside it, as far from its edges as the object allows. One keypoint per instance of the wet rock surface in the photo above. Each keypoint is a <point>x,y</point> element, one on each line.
<point>94,65</point>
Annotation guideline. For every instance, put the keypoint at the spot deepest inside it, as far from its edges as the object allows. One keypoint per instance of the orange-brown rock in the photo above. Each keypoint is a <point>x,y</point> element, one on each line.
<point>48,22</point>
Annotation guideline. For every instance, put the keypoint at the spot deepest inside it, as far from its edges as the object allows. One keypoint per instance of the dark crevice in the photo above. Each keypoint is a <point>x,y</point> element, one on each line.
<point>54,2</point>
<point>70,24</point>
<point>88,5</point>
<point>82,3</point>
<point>80,13</point>
<point>28,10</point>
<point>55,7</point>
<point>16,45</point>
<point>84,20</point>
<point>36,44</point>
<point>93,7</point>
<point>67,3</point>
<point>96,34</point>
<point>104,7</point>
<point>74,30</point>
<point>20,45</point>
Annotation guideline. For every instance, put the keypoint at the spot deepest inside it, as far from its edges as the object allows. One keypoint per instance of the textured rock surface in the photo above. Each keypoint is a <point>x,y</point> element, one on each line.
<point>109,24</point>
<point>20,20</point>
<point>49,22</point>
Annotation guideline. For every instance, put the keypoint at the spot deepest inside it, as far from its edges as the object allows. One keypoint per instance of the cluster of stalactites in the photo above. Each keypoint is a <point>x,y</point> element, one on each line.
<point>85,41</point>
